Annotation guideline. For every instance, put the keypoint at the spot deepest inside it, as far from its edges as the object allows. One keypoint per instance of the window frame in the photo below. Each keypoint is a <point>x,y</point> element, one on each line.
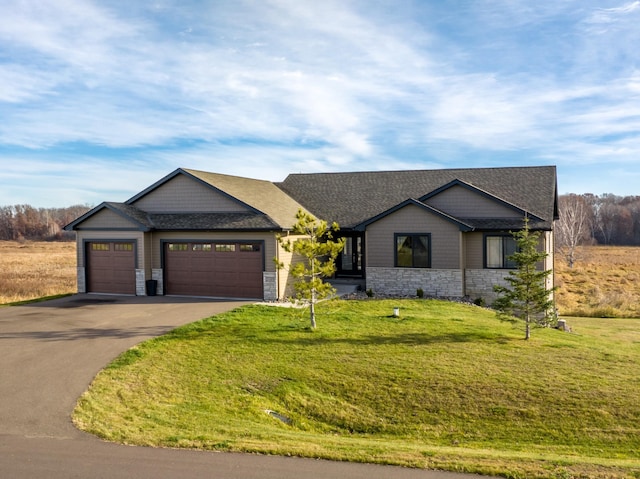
<point>506,252</point>
<point>396,236</point>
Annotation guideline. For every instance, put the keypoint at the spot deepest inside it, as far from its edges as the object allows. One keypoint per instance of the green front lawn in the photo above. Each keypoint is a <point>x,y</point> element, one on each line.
<point>445,386</point>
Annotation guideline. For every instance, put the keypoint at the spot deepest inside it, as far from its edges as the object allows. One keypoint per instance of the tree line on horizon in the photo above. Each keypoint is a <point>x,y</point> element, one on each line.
<point>24,222</point>
<point>605,219</point>
<point>589,219</point>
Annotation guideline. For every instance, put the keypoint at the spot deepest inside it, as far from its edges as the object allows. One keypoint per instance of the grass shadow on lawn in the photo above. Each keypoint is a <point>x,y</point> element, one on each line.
<point>408,339</point>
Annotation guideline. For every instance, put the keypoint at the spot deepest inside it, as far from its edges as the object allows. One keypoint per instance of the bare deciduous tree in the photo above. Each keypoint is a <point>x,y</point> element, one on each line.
<point>573,226</point>
<point>24,222</point>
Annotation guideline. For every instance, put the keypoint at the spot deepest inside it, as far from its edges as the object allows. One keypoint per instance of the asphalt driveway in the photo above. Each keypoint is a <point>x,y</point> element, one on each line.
<point>50,352</point>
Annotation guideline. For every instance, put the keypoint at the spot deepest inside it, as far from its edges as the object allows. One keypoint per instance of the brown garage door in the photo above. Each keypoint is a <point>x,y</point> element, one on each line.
<point>228,270</point>
<point>111,267</point>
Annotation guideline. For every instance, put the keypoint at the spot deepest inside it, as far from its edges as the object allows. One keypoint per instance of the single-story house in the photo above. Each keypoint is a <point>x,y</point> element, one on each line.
<point>197,233</point>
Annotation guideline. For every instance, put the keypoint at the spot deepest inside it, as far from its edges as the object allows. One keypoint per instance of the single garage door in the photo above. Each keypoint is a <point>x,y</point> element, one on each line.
<point>110,267</point>
<point>228,270</point>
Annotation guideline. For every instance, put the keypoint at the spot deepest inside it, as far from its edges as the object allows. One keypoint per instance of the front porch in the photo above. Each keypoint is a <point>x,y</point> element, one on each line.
<point>345,286</point>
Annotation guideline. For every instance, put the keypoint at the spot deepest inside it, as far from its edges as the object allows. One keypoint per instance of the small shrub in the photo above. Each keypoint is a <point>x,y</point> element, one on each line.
<point>604,312</point>
<point>479,302</point>
<point>370,293</point>
<point>420,293</point>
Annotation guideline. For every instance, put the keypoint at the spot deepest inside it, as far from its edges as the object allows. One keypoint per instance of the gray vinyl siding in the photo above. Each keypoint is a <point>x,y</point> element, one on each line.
<point>474,250</point>
<point>106,219</point>
<point>186,195</point>
<point>463,203</point>
<point>288,259</point>
<point>445,238</point>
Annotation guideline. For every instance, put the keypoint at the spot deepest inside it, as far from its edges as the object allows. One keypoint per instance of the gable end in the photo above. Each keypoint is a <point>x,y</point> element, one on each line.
<point>188,198</point>
<point>111,216</point>
<point>462,206</point>
<point>460,224</point>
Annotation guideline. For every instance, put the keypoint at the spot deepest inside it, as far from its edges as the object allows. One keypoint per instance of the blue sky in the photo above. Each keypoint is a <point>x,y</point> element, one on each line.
<point>100,99</point>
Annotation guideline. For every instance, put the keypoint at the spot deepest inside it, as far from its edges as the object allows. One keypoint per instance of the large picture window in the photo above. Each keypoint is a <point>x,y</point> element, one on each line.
<point>498,248</point>
<point>413,250</point>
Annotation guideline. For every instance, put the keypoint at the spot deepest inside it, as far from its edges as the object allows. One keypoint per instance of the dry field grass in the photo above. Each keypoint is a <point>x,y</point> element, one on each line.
<point>32,270</point>
<point>604,282</point>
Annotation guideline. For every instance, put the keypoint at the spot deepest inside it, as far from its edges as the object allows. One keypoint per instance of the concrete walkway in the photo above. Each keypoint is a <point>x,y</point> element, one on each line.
<point>51,351</point>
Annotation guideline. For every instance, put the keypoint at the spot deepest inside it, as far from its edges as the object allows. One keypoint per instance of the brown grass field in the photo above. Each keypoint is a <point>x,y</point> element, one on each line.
<point>33,270</point>
<point>604,282</point>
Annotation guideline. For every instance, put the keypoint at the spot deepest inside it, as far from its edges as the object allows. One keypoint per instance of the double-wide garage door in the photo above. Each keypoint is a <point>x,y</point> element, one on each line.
<point>223,269</point>
<point>110,267</point>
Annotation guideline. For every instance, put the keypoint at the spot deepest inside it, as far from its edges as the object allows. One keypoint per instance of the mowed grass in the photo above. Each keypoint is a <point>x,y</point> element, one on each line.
<point>446,386</point>
<point>604,282</point>
<point>31,270</point>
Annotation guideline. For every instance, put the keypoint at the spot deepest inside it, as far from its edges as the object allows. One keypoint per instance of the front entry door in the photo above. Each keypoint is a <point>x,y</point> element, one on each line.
<point>349,262</point>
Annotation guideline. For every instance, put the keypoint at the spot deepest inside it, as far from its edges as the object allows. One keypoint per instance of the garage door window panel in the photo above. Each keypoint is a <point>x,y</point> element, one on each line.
<point>203,247</point>
<point>223,268</point>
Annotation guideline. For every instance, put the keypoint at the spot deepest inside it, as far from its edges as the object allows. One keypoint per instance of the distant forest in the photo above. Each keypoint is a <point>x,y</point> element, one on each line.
<point>605,220</point>
<point>24,222</point>
<point>584,219</point>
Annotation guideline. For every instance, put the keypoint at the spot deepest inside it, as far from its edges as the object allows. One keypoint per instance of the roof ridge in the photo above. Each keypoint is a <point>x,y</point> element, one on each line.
<point>213,173</point>
<point>405,171</point>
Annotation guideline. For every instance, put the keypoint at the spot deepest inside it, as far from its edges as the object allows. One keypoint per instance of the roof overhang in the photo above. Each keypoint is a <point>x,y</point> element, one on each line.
<point>129,213</point>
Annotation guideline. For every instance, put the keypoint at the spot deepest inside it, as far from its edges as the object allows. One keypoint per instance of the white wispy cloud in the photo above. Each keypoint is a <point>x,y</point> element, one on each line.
<point>614,14</point>
<point>287,85</point>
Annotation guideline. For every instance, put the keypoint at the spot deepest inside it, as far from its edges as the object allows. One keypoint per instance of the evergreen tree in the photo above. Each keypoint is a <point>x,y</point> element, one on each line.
<point>527,297</point>
<point>318,250</point>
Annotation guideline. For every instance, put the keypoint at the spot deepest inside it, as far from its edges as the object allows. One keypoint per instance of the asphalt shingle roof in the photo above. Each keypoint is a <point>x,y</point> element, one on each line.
<point>261,195</point>
<point>352,198</point>
<point>505,224</point>
<point>132,213</point>
<point>212,221</point>
<point>187,221</point>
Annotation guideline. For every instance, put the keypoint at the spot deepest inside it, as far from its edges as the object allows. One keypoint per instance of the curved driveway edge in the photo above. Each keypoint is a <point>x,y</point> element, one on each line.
<point>51,351</point>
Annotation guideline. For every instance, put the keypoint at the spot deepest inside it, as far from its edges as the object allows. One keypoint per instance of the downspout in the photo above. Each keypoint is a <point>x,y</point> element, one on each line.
<point>463,266</point>
<point>552,247</point>
<point>277,261</point>
<point>151,253</point>
<point>280,288</point>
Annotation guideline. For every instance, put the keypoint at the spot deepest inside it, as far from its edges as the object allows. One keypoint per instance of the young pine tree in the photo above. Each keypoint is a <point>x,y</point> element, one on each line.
<point>526,298</point>
<point>318,250</point>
